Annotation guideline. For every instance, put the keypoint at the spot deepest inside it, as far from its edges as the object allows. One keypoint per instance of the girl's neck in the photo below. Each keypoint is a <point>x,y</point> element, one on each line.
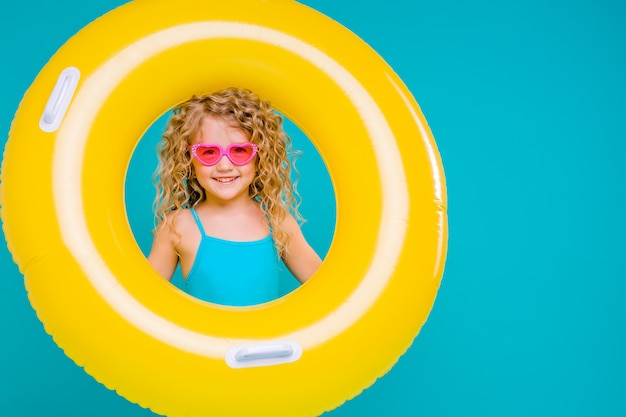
<point>237,205</point>
<point>237,221</point>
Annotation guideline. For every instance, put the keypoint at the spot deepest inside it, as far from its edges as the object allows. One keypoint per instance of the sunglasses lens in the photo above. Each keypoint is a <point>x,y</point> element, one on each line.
<point>208,154</point>
<point>241,154</point>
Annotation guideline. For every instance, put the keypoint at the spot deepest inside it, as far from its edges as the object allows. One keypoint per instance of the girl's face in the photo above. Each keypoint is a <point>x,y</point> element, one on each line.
<point>223,182</point>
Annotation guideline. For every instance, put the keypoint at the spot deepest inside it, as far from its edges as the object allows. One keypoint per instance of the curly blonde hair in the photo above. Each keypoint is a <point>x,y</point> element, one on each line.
<point>176,184</point>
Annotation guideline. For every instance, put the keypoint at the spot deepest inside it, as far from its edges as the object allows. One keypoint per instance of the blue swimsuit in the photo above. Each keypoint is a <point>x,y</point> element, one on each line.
<point>234,273</point>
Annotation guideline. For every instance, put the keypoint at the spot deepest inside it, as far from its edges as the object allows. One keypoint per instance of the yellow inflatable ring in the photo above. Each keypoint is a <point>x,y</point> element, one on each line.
<point>65,220</point>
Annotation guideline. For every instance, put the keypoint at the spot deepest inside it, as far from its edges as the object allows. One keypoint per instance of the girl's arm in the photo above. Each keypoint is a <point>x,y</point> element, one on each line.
<point>300,257</point>
<point>163,256</point>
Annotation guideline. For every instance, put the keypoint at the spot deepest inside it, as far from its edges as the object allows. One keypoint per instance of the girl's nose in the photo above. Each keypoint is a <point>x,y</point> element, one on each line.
<point>224,164</point>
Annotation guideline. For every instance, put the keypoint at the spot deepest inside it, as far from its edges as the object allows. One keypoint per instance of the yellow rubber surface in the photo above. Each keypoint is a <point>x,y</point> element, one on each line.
<point>65,220</point>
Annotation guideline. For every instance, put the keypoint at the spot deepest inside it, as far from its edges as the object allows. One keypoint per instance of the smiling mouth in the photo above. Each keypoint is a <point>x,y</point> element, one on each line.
<point>225,180</point>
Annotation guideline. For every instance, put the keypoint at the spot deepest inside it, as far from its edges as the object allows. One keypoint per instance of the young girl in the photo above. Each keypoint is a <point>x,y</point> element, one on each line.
<point>225,201</point>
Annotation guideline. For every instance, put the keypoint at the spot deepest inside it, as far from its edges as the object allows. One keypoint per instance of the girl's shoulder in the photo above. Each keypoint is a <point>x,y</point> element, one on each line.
<point>175,216</point>
<point>290,224</point>
<point>176,222</point>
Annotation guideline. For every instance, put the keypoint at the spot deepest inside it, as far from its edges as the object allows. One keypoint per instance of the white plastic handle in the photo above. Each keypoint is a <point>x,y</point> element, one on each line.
<point>59,100</point>
<point>263,354</point>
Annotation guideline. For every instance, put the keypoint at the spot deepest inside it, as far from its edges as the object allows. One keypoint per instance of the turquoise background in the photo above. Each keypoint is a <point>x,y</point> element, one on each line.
<point>527,101</point>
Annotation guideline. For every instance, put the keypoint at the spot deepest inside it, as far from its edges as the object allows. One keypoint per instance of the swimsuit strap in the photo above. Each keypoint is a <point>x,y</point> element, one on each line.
<point>195,216</point>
